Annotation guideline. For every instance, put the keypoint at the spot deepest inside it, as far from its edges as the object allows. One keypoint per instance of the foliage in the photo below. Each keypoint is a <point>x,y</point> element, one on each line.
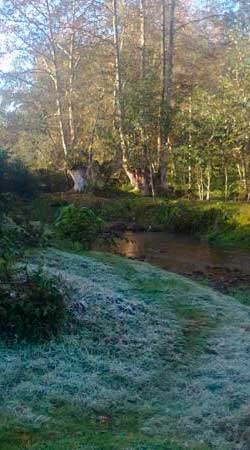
<point>15,177</point>
<point>220,222</point>
<point>31,306</point>
<point>208,151</point>
<point>16,237</point>
<point>152,214</point>
<point>79,224</point>
<point>11,242</point>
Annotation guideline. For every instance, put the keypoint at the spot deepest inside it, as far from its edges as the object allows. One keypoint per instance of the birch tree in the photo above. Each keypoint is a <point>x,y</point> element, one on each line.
<point>49,36</point>
<point>168,43</point>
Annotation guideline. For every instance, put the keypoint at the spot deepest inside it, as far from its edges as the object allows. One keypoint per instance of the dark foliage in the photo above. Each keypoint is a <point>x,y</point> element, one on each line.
<point>15,177</point>
<point>32,307</point>
<point>16,236</point>
<point>53,181</point>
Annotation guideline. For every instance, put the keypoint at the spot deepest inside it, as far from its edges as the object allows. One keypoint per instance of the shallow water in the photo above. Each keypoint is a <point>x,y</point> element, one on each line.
<point>188,256</point>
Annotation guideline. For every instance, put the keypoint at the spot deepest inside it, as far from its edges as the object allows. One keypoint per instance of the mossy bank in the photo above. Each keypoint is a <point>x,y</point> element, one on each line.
<point>222,223</point>
<point>151,361</point>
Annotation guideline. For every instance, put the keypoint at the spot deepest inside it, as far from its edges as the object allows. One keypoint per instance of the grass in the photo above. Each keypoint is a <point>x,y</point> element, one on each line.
<point>150,360</point>
<point>196,326</point>
<point>69,428</point>
<point>196,321</point>
<point>148,363</point>
<point>242,295</point>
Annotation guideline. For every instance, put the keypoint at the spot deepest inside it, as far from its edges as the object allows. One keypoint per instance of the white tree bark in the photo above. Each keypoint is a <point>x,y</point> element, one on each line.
<point>79,178</point>
<point>167,82</point>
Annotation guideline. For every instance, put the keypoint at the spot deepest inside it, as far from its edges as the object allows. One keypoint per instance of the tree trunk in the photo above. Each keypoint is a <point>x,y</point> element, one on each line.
<point>118,91</point>
<point>143,38</point>
<point>167,82</point>
<point>56,79</point>
<point>71,89</point>
<point>226,182</point>
<point>189,174</point>
<point>200,183</point>
<point>139,179</point>
<point>79,177</point>
<point>147,184</point>
<point>190,144</point>
<point>208,183</point>
<point>245,174</point>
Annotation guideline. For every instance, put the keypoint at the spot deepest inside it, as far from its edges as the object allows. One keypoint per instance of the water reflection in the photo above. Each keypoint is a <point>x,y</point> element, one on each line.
<point>180,253</point>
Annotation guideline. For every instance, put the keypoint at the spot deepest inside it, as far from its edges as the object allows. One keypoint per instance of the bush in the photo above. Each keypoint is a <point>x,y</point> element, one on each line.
<point>11,237</point>
<point>31,307</point>
<point>179,218</point>
<point>50,181</point>
<point>18,235</point>
<point>15,177</point>
<point>79,224</point>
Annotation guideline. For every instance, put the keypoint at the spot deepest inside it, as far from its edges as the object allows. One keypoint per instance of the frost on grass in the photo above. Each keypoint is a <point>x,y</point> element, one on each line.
<point>143,341</point>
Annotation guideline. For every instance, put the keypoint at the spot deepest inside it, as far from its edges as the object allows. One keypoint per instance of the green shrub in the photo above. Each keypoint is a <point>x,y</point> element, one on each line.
<point>31,307</point>
<point>9,247</point>
<point>79,224</point>
<point>211,219</point>
<point>18,235</point>
<point>179,218</point>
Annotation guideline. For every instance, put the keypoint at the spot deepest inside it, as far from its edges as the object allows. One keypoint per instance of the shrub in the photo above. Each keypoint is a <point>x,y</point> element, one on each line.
<point>79,224</point>
<point>31,307</point>
<point>180,218</point>
<point>211,218</point>
<point>9,248</point>
<point>18,235</point>
<point>15,177</point>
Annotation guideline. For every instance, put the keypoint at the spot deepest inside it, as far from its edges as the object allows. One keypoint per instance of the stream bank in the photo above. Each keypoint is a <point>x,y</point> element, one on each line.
<point>225,269</point>
<point>214,235</point>
<point>226,224</point>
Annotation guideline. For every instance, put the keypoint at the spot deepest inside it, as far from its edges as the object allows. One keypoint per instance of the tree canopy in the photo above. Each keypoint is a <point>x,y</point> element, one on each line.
<point>154,92</point>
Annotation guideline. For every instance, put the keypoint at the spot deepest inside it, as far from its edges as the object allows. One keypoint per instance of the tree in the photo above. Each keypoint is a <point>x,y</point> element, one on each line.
<point>48,37</point>
<point>167,82</point>
<point>138,89</point>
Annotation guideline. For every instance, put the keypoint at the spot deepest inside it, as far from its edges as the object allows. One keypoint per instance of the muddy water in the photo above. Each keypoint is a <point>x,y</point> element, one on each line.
<point>224,268</point>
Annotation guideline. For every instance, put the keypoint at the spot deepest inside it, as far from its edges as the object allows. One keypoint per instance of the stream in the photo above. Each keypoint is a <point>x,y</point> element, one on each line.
<point>224,269</point>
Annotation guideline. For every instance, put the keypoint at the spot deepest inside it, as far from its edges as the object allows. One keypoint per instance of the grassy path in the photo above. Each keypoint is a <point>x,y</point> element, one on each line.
<point>151,361</point>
